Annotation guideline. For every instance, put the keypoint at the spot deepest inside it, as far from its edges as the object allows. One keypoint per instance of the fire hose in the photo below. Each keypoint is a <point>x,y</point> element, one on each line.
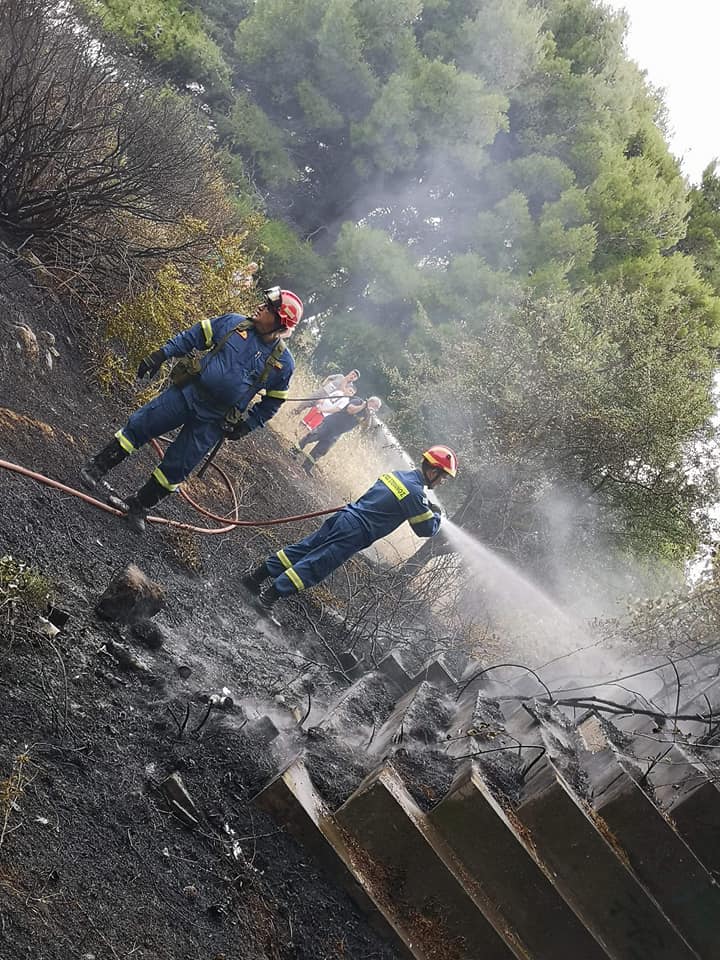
<point>228,523</point>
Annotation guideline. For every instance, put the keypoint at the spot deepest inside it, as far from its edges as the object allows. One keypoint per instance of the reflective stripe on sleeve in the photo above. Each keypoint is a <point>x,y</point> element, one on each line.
<point>282,557</point>
<point>124,442</point>
<point>207,331</point>
<point>428,515</point>
<point>278,394</point>
<point>163,480</point>
<point>394,485</point>
<point>294,579</point>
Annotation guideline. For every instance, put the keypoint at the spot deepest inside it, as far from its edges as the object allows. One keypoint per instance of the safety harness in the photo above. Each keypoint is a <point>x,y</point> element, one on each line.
<point>188,369</point>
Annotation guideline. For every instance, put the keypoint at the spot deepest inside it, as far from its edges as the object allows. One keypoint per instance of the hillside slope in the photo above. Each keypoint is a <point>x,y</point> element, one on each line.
<point>92,863</point>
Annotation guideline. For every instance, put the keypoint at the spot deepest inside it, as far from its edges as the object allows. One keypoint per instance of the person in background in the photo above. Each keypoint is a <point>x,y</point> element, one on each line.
<point>337,401</point>
<point>329,386</point>
<point>394,498</point>
<point>356,413</point>
<point>208,397</point>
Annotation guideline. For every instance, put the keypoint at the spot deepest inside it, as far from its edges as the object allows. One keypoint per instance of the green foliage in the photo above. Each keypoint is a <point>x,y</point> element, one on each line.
<point>592,401</point>
<point>24,593</point>
<point>174,301</point>
<point>637,211</point>
<point>287,257</point>
<point>169,32</point>
<point>702,240</point>
<point>248,130</point>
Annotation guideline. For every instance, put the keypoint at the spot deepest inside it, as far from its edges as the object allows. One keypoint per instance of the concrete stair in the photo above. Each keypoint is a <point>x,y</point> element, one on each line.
<point>556,837</point>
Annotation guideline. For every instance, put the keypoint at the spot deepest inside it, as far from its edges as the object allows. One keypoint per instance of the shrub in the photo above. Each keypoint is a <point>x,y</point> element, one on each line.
<point>24,592</point>
<point>103,174</point>
<point>173,302</point>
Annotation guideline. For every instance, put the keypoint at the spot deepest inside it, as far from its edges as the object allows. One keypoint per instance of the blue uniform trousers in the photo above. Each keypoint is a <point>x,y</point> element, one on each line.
<point>309,561</point>
<point>168,411</point>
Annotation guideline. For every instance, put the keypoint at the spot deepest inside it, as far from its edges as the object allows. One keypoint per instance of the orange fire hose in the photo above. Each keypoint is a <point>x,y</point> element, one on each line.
<point>228,524</point>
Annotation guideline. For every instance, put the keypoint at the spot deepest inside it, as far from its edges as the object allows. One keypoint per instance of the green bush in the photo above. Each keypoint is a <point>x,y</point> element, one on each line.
<point>24,592</point>
<point>173,302</point>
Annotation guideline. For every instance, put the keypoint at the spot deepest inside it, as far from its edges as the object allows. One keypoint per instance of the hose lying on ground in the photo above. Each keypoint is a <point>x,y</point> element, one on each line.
<point>229,524</point>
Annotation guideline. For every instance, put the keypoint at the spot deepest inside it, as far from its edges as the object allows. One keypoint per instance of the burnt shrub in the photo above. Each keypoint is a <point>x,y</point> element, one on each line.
<point>104,173</point>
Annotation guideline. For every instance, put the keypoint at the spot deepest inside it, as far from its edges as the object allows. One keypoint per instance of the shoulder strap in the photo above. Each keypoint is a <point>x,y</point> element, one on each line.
<point>244,325</point>
<point>274,355</point>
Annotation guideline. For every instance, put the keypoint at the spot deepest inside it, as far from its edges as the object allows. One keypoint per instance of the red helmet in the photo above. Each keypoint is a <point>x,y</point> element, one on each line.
<point>442,457</point>
<point>287,306</point>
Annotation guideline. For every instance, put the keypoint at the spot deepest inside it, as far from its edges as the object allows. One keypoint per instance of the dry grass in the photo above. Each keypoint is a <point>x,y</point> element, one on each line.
<point>11,420</point>
<point>12,789</point>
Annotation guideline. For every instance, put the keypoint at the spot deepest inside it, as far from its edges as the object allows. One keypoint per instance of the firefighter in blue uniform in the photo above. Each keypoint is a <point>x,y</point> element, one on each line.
<point>208,397</point>
<point>357,413</point>
<point>394,498</point>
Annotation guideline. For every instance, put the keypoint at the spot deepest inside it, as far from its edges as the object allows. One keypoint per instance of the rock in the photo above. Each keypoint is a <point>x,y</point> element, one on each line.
<point>184,671</point>
<point>26,344</point>
<point>149,634</point>
<point>46,628</point>
<point>48,351</point>
<point>130,597</point>
<point>180,801</point>
<point>126,658</point>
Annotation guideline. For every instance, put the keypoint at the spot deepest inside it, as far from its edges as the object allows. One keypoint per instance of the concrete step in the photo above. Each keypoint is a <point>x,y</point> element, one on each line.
<point>695,811</point>
<point>292,801</point>
<point>394,669</point>
<point>422,715</point>
<point>592,872</point>
<point>359,707</point>
<point>657,854</point>
<point>684,789</point>
<point>438,674</point>
<point>424,885</point>
<point>517,895</point>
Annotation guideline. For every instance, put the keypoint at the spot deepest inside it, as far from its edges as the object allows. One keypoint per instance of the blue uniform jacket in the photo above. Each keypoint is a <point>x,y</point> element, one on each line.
<point>396,497</point>
<point>230,378</point>
<point>392,499</point>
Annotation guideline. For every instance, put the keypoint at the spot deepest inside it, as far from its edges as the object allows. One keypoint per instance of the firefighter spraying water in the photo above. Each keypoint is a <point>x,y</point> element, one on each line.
<point>394,498</point>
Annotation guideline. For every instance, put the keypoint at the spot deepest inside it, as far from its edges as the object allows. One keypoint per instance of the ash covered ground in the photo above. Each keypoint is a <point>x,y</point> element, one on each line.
<point>92,863</point>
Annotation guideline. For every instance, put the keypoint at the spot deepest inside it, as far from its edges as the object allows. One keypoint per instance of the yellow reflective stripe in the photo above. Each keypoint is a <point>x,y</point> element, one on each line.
<point>163,480</point>
<point>282,557</point>
<point>428,515</point>
<point>124,442</point>
<point>207,331</point>
<point>294,579</point>
<point>278,394</point>
<point>395,486</point>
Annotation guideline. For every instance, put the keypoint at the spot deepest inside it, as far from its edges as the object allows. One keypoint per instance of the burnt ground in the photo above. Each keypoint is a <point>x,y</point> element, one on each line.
<point>92,863</point>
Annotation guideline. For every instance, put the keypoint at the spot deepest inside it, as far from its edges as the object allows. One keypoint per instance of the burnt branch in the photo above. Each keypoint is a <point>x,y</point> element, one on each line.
<point>99,168</point>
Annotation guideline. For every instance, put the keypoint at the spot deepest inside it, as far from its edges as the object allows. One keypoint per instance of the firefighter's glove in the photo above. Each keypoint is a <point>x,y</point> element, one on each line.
<point>150,365</point>
<point>435,507</point>
<point>236,430</point>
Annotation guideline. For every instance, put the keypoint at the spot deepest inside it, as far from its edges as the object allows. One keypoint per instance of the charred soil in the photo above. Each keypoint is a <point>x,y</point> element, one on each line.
<point>94,861</point>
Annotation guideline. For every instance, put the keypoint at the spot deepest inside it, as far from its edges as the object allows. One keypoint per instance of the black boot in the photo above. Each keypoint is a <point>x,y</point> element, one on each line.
<point>96,468</point>
<point>269,596</point>
<point>254,579</point>
<point>140,504</point>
